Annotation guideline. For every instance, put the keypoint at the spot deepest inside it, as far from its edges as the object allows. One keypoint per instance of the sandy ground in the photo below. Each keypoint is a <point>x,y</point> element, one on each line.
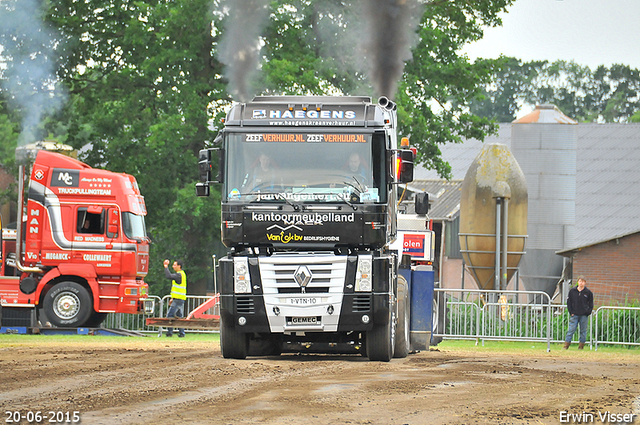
<point>120,380</point>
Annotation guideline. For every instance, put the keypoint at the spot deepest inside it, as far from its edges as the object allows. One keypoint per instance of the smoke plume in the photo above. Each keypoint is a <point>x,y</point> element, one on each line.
<point>390,34</point>
<point>239,48</point>
<point>29,52</point>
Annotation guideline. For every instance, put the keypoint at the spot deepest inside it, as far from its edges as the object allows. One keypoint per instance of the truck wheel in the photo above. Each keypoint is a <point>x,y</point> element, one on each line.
<point>403,329</point>
<point>68,304</point>
<point>381,340</point>
<point>96,319</point>
<point>234,345</point>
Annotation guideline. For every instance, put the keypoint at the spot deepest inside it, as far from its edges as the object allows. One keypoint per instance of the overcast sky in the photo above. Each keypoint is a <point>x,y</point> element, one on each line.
<point>589,32</point>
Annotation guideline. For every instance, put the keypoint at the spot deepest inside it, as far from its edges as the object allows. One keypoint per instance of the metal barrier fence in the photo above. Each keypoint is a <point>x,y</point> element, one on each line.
<point>468,314</point>
<point>132,322</point>
<point>617,325</point>
<point>137,322</point>
<point>525,316</point>
<point>491,314</point>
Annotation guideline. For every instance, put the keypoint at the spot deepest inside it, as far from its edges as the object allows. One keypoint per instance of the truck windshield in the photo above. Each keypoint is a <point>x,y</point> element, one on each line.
<point>133,226</point>
<point>304,167</point>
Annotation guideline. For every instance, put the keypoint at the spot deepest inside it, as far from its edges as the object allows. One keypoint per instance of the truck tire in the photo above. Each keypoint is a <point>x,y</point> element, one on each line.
<point>403,329</point>
<point>68,304</point>
<point>233,344</point>
<point>381,340</point>
<point>96,319</point>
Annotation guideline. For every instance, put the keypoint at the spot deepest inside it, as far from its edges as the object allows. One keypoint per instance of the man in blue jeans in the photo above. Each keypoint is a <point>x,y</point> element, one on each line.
<point>580,306</point>
<point>178,293</point>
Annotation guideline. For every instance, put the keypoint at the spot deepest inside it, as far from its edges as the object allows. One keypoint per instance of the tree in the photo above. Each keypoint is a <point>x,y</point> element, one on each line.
<point>511,83</point>
<point>144,79</point>
<point>603,95</point>
<point>313,48</point>
<point>439,83</point>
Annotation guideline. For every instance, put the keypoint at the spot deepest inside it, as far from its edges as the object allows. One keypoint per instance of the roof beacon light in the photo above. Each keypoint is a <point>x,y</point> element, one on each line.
<point>404,142</point>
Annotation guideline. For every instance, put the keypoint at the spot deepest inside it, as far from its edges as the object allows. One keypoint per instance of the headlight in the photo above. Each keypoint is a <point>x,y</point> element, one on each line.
<point>131,291</point>
<point>363,274</point>
<point>241,279</point>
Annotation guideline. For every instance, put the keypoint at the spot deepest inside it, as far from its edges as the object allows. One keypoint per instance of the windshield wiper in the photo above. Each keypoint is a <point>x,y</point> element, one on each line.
<point>346,201</point>
<point>296,207</point>
<point>360,188</point>
<point>337,196</point>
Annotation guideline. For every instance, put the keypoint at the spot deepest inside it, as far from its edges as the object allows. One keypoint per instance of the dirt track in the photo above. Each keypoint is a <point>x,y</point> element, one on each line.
<point>112,380</point>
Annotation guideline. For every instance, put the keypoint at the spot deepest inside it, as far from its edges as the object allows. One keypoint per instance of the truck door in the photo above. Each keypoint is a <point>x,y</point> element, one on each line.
<point>95,241</point>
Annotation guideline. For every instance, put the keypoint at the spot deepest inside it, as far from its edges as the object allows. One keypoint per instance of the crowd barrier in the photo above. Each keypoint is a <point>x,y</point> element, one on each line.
<point>525,316</point>
<point>469,314</point>
<point>137,322</point>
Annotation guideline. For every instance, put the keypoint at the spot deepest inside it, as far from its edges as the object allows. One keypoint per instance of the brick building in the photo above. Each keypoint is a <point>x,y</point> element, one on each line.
<point>611,267</point>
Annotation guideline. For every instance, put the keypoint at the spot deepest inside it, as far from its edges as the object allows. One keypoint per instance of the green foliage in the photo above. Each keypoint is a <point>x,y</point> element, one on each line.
<point>145,91</point>
<point>187,231</point>
<point>314,48</point>
<point>143,79</point>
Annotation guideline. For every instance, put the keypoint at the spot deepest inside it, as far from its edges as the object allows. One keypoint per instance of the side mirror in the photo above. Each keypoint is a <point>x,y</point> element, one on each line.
<point>94,209</point>
<point>114,223</point>
<point>205,165</point>
<point>405,166</point>
<point>202,189</point>
<point>422,203</point>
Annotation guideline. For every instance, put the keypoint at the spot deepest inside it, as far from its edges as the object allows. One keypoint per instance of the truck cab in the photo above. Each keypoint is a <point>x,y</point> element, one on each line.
<point>85,251</point>
<point>308,215</point>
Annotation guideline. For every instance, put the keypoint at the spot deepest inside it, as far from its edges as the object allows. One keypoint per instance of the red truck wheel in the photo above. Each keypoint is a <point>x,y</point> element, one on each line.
<point>68,304</point>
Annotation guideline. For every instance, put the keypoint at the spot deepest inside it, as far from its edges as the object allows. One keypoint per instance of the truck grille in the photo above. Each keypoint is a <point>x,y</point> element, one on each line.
<point>326,273</point>
<point>308,290</point>
<point>361,303</point>
<point>245,305</point>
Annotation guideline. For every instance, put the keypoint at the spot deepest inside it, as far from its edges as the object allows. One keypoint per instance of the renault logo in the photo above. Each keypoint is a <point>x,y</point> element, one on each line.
<point>302,276</point>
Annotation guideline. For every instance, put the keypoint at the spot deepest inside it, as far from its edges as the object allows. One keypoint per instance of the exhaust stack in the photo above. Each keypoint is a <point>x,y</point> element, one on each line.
<point>387,104</point>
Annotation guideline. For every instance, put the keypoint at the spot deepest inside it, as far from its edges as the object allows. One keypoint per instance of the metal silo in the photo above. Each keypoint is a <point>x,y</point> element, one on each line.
<point>493,216</point>
<point>544,143</point>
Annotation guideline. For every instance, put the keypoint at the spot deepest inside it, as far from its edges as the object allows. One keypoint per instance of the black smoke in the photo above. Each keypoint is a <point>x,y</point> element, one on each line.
<point>389,35</point>
<point>239,48</point>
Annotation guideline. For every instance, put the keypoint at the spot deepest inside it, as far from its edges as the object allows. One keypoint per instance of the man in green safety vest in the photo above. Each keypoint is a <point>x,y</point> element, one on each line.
<point>178,292</point>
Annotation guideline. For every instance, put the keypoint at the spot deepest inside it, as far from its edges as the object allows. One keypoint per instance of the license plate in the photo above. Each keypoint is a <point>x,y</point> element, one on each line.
<point>303,301</point>
<point>314,320</point>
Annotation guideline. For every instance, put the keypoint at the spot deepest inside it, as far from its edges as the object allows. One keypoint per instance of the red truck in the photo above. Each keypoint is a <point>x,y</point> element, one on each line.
<point>84,251</point>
